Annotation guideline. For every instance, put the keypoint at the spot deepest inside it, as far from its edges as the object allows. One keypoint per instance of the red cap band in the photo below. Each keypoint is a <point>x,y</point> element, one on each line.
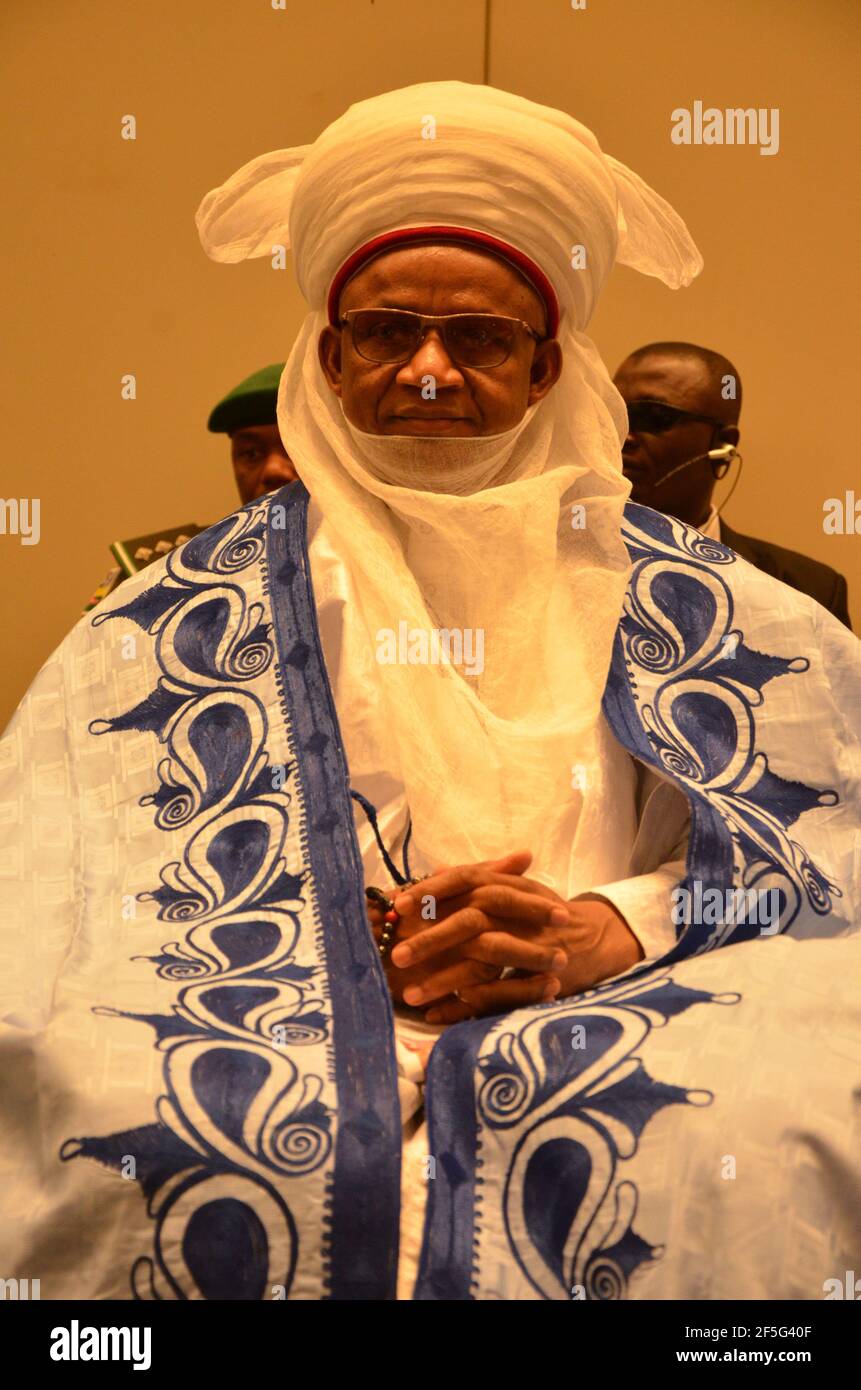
<point>462,236</point>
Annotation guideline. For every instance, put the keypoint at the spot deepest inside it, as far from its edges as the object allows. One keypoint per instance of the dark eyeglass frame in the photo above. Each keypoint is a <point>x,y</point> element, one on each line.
<point>441,322</point>
<point>677,413</point>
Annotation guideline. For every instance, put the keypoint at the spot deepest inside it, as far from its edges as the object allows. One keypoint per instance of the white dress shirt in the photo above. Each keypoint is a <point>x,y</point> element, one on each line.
<point>711,526</point>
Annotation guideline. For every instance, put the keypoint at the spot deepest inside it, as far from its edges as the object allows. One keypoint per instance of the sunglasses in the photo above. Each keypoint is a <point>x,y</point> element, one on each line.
<point>471,340</point>
<point>655,417</point>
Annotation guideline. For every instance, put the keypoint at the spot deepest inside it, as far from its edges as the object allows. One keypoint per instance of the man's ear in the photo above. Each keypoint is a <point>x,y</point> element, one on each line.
<point>729,435</point>
<point>546,369</point>
<point>329,352</point>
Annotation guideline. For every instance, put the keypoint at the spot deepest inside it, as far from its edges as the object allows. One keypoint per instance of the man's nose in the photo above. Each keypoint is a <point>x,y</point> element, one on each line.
<point>277,470</point>
<point>430,359</point>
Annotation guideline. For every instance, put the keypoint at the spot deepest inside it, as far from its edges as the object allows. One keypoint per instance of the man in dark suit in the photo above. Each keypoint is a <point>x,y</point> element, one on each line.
<point>683,405</point>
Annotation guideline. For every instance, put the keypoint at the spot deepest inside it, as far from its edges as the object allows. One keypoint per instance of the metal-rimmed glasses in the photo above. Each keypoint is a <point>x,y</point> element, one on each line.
<point>471,340</point>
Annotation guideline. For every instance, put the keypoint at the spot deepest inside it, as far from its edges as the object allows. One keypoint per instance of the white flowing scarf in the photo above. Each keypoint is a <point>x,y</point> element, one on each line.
<point>512,541</point>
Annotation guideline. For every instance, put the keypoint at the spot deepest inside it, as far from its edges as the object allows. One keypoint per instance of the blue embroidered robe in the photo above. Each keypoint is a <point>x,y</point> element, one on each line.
<point>208,1025</point>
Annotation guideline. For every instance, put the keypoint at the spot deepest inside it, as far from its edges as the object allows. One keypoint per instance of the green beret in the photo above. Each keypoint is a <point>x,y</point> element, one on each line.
<point>252,402</point>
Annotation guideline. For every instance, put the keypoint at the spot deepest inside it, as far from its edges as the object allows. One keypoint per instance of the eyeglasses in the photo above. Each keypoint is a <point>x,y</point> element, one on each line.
<point>656,417</point>
<point>471,340</point>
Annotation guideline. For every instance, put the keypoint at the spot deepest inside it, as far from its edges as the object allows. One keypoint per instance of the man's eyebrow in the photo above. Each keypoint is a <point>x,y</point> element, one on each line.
<point>388,303</point>
<point>409,309</point>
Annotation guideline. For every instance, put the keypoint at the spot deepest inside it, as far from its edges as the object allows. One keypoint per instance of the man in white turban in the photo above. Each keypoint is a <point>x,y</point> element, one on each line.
<point>583,722</point>
<point>502,526</point>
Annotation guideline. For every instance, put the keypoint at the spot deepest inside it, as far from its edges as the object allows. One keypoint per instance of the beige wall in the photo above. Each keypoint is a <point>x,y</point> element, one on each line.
<point>104,274</point>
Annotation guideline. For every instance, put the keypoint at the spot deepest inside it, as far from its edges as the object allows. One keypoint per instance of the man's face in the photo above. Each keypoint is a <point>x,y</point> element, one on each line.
<point>648,456</point>
<point>430,396</point>
<point>260,461</point>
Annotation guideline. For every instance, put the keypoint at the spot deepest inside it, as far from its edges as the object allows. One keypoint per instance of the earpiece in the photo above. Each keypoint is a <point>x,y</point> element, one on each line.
<point>721,458</point>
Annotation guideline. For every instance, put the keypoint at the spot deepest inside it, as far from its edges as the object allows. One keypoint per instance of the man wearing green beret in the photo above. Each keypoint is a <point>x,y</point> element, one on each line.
<point>260,465</point>
<point>247,415</point>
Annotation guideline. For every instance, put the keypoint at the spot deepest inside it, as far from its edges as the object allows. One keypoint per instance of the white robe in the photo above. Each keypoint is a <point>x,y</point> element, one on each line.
<point>644,845</point>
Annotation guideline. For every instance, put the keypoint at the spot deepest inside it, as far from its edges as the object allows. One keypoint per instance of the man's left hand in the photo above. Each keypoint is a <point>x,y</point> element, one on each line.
<point>492,917</point>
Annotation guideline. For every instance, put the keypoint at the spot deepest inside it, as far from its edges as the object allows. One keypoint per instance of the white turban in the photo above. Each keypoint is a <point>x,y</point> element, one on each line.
<point>485,761</point>
<point>524,173</point>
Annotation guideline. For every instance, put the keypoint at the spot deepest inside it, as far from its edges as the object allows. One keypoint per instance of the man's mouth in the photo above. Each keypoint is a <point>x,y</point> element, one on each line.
<point>419,423</point>
<point>633,468</point>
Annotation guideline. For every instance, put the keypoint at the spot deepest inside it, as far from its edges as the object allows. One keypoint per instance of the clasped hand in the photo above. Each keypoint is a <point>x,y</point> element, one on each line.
<point>488,918</point>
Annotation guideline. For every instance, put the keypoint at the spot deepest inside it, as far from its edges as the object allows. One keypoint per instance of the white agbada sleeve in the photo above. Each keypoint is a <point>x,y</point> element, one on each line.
<point>41,906</point>
<point>39,873</point>
<point>657,865</point>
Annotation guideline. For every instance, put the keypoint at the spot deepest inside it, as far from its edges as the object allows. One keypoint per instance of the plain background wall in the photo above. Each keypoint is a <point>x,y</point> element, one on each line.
<point>103,273</point>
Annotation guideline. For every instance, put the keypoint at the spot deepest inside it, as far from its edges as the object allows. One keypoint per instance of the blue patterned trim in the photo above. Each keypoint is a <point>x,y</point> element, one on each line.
<point>243,1125</point>
<point>445,1266</point>
<point>366,1197</point>
<point>244,1131</point>
<point>682,697</point>
<point>568,1116</point>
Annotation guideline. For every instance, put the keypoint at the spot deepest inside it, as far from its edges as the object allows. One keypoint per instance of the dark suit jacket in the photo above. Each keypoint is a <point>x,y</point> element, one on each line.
<point>809,576</point>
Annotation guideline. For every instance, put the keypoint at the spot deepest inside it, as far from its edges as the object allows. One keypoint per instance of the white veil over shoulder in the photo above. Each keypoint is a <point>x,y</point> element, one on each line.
<point>514,755</point>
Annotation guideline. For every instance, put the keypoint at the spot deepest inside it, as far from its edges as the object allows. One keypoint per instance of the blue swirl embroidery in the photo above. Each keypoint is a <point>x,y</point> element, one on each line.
<point>698,686</point>
<point>570,1112</point>
<point>241,1114</point>
<point>683,696</point>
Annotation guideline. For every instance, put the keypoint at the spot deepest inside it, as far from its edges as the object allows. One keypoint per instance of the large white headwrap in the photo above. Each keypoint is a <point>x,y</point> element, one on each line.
<point>515,757</point>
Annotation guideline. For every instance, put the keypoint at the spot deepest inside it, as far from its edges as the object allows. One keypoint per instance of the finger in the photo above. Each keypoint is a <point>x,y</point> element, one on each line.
<point>451,1010</point>
<point>453,977</point>
<point>489,901</point>
<point>513,900</point>
<point>423,945</point>
<point>447,882</point>
<point>505,897</point>
<point>516,863</point>
<point>517,952</point>
<point>502,996</point>
<point>509,898</point>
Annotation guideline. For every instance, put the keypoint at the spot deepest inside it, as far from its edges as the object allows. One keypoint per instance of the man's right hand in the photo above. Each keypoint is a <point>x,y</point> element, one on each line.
<point>460,971</point>
<point>471,972</point>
